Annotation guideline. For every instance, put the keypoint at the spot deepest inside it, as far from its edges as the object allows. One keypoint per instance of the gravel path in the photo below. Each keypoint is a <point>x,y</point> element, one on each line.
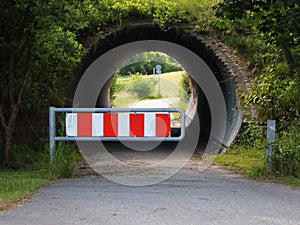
<point>154,103</point>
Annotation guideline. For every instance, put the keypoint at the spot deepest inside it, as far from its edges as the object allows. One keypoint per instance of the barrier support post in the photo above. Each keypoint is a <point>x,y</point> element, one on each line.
<point>52,133</point>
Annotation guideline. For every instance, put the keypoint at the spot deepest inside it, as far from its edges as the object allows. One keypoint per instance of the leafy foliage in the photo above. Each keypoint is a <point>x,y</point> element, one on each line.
<point>145,62</point>
<point>42,42</point>
<point>115,86</point>
<point>266,33</point>
<point>185,88</point>
<point>140,85</point>
<point>251,133</point>
<point>285,158</point>
<point>167,13</point>
<point>37,52</point>
<point>276,94</point>
<point>276,20</point>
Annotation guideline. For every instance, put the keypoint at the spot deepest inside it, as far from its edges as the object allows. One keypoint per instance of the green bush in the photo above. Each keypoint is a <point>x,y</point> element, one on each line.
<point>285,159</point>
<point>167,13</point>
<point>115,87</point>
<point>251,134</point>
<point>185,89</point>
<point>23,157</point>
<point>140,85</point>
<point>276,95</point>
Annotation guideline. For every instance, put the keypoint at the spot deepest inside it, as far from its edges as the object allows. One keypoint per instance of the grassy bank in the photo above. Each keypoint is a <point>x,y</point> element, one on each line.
<point>17,186</point>
<point>251,162</point>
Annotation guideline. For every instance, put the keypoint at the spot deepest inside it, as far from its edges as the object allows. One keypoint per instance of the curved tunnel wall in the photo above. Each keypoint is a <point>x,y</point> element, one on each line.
<point>148,31</point>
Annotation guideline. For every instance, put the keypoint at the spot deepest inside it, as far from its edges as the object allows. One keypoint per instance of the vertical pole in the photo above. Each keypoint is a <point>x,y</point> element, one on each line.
<point>182,118</point>
<point>271,124</point>
<point>52,131</point>
<point>158,85</point>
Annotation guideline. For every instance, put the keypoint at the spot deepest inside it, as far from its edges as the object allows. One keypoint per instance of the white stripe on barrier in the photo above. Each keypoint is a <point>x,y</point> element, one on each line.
<point>123,125</point>
<point>150,124</point>
<point>71,124</point>
<point>97,124</point>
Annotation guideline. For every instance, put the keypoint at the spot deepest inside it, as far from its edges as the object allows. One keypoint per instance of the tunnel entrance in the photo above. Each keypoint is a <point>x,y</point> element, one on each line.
<point>147,76</point>
<point>154,80</point>
<point>219,113</point>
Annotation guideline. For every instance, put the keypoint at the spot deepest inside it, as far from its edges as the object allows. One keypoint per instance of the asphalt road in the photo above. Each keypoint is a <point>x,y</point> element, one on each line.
<point>214,196</point>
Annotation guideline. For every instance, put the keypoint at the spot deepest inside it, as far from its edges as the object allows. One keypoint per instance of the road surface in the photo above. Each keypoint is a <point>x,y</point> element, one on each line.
<point>212,197</point>
<point>154,103</point>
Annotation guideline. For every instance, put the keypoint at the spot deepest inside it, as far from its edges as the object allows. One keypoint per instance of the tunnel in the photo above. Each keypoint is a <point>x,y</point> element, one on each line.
<point>219,114</point>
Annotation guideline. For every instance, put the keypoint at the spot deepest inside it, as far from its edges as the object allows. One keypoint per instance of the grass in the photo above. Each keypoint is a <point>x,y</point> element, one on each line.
<point>251,162</point>
<point>16,186</point>
<point>169,88</point>
<point>244,160</point>
<point>200,11</point>
<point>19,185</point>
<point>123,99</point>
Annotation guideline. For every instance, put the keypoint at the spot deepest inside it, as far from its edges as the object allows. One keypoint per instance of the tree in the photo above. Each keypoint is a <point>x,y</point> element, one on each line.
<point>145,62</point>
<point>42,42</point>
<point>34,50</point>
<point>277,20</point>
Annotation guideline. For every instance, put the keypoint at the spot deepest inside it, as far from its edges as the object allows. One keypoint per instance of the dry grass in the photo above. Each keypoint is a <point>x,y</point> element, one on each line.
<point>169,88</point>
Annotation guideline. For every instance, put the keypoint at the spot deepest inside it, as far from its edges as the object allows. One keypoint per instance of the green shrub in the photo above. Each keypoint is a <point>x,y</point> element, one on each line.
<point>140,85</point>
<point>185,89</point>
<point>23,157</point>
<point>167,13</point>
<point>276,95</point>
<point>251,134</point>
<point>115,87</point>
<point>285,159</point>
<point>63,163</point>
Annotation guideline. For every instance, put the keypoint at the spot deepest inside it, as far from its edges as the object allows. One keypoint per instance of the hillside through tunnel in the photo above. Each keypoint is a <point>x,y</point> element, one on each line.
<point>214,115</point>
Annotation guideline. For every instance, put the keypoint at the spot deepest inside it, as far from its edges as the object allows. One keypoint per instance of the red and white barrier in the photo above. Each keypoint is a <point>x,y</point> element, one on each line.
<point>118,124</point>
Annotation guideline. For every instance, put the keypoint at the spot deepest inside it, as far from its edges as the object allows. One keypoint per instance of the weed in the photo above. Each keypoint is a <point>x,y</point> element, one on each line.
<point>63,164</point>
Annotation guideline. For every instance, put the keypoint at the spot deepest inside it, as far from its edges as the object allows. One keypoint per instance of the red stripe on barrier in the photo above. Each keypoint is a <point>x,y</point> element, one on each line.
<point>136,124</point>
<point>163,125</point>
<point>110,124</point>
<point>84,124</point>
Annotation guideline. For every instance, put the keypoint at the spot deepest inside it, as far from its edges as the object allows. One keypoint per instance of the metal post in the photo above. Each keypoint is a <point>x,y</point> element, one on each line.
<point>158,84</point>
<point>158,72</point>
<point>52,133</point>
<point>270,139</point>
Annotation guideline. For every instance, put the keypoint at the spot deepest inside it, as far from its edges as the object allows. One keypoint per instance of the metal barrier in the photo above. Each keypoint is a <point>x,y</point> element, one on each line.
<point>100,136</point>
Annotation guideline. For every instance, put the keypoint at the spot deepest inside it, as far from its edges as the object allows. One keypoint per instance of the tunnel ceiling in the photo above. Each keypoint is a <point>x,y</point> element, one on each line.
<point>198,44</point>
